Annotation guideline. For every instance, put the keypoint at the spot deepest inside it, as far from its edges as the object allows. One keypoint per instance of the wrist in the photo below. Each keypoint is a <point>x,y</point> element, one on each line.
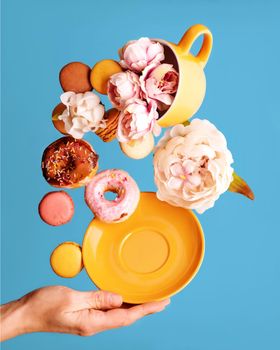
<point>15,319</point>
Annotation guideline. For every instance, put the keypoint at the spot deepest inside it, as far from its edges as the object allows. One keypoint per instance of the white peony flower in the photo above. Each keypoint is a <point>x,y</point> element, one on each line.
<point>84,113</point>
<point>192,165</point>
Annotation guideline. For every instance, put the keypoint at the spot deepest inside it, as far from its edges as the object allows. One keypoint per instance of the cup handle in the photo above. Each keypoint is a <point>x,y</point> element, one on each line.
<point>190,37</point>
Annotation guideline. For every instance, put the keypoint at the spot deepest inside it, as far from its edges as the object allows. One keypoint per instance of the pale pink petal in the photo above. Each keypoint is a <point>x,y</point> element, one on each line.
<point>177,169</point>
<point>138,54</point>
<point>175,183</point>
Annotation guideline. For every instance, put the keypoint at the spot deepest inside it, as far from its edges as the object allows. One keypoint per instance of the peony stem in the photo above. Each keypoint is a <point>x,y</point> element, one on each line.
<point>238,185</point>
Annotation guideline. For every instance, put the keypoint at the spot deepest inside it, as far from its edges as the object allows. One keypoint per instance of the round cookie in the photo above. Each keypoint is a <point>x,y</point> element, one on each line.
<point>138,149</point>
<point>56,208</point>
<point>102,72</point>
<point>66,259</point>
<point>75,77</point>
<point>58,124</point>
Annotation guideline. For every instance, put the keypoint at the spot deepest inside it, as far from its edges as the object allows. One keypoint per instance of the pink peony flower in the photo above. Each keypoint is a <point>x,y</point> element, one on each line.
<point>123,88</point>
<point>136,120</point>
<point>158,83</point>
<point>138,54</point>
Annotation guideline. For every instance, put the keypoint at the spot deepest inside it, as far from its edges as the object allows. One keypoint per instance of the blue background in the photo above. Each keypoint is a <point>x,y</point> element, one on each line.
<point>233,303</point>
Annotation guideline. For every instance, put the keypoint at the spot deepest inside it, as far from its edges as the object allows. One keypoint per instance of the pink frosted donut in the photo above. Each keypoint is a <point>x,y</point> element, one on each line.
<point>119,182</point>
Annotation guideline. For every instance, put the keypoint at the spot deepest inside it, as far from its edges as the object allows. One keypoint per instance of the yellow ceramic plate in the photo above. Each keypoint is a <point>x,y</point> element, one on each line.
<point>150,256</point>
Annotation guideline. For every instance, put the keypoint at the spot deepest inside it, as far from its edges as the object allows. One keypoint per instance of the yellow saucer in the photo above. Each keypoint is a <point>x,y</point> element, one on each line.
<point>150,256</point>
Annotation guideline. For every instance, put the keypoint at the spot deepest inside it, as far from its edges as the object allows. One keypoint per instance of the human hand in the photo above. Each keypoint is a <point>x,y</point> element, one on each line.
<point>64,310</point>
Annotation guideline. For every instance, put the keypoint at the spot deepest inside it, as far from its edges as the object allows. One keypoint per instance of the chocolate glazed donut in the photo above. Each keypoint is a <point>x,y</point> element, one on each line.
<point>69,163</point>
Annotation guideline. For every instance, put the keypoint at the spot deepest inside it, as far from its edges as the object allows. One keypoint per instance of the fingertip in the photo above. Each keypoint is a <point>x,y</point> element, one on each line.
<point>157,306</point>
<point>166,301</point>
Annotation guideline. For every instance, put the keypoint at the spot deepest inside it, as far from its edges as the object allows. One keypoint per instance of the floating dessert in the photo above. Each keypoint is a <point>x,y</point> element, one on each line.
<point>110,119</point>
<point>66,259</point>
<point>119,182</point>
<point>138,149</point>
<point>58,123</point>
<point>56,208</point>
<point>69,163</point>
<point>75,76</point>
<point>101,74</point>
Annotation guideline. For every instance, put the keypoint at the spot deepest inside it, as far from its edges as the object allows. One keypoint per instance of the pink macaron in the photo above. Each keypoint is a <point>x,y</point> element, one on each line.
<point>56,208</point>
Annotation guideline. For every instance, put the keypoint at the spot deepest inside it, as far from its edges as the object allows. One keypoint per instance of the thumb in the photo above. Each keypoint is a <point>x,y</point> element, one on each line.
<point>102,300</point>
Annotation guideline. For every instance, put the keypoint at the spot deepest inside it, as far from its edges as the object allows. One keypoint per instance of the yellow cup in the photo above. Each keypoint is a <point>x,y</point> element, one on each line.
<point>192,82</point>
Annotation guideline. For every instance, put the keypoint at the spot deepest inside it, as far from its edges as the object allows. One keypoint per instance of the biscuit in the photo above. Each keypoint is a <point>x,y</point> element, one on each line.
<point>75,76</point>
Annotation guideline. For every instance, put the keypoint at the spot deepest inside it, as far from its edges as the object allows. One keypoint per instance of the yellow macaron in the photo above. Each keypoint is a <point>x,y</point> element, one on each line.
<point>66,259</point>
<point>101,73</point>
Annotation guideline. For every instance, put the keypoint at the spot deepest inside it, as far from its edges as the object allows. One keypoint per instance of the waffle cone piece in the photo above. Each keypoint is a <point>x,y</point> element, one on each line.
<point>108,133</point>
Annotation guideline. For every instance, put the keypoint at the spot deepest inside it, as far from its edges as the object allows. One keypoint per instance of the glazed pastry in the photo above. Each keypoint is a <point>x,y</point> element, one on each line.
<point>59,124</point>
<point>66,259</point>
<point>123,206</point>
<point>111,119</point>
<point>75,76</point>
<point>69,163</point>
<point>101,74</point>
<point>138,149</point>
<point>56,208</point>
